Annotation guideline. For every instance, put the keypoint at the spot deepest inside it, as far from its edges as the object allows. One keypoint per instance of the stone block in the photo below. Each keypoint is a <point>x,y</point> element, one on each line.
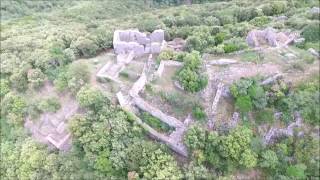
<point>157,36</point>
<point>155,48</point>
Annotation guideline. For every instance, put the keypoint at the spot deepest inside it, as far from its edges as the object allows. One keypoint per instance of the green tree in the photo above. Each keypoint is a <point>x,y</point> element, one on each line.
<point>244,104</point>
<point>237,142</point>
<point>13,107</point>
<point>195,138</point>
<point>296,171</point>
<point>36,78</point>
<point>248,159</point>
<point>4,87</point>
<point>269,160</point>
<point>161,166</point>
<point>89,97</point>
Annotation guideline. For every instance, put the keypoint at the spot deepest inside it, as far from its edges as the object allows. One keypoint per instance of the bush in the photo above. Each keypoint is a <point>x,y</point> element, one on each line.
<point>4,87</point>
<point>103,39</point>
<point>274,8</point>
<point>36,78</point>
<point>149,24</point>
<point>84,47</point>
<point>264,116</point>
<point>212,21</point>
<point>155,123</point>
<point>245,14</point>
<point>90,98</point>
<point>228,48</point>
<point>234,44</point>
<point>49,105</point>
<point>78,75</point>
<point>311,32</point>
<point>169,21</point>
<point>195,138</point>
<point>19,80</point>
<point>13,108</point>
<point>191,80</point>
<point>260,21</point>
<point>195,43</point>
<point>188,20</point>
<point>244,104</point>
<point>219,38</point>
<point>198,113</point>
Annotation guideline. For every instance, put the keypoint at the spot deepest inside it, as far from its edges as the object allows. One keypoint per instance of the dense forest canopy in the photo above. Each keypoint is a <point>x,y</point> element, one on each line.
<point>50,54</point>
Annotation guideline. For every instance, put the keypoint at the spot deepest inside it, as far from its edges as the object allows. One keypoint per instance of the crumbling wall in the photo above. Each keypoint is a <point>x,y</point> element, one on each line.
<point>125,41</point>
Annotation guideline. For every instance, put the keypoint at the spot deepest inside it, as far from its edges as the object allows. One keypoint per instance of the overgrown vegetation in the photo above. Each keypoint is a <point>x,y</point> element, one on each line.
<point>42,40</point>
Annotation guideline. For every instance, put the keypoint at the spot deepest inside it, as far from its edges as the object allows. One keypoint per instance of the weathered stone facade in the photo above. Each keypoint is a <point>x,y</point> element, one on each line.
<point>125,41</point>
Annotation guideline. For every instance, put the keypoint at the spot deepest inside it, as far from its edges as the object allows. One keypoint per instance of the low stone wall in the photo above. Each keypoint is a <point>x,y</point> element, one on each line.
<point>164,63</point>
<point>274,133</point>
<point>143,105</point>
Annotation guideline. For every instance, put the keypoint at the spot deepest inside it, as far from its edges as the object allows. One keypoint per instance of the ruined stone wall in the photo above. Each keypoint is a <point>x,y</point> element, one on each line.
<point>125,41</point>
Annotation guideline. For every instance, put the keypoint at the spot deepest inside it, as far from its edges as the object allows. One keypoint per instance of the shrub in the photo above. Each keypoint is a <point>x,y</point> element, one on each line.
<point>244,104</point>
<point>90,98</point>
<point>191,80</point>
<point>234,44</point>
<point>19,80</point>
<point>149,24</point>
<point>311,32</point>
<point>167,55</point>
<point>195,43</point>
<point>77,75</point>
<point>84,47</point>
<point>49,105</point>
<point>103,39</point>
<point>169,21</point>
<point>155,123</point>
<point>212,21</point>
<point>4,87</point>
<point>219,38</point>
<point>13,107</point>
<point>195,138</point>
<point>274,8</point>
<point>188,20</point>
<point>269,160</point>
<point>260,21</point>
<point>265,116</point>
<point>198,113</point>
<point>245,14</point>
<point>36,78</point>
<point>241,29</point>
<point>228,48</point>
<point>73,77</point>
<point>124,74</point>
<point>192,60</point>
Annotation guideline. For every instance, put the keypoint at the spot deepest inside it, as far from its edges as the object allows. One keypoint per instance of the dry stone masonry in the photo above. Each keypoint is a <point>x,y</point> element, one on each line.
<point>125,41</point>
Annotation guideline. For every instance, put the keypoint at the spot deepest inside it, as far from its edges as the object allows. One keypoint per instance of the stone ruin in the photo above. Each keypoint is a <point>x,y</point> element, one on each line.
<point>125,41</point>
<point>131,101</point>
<point>270,37</point>
<point>129,44</point>
<point>51,128</point>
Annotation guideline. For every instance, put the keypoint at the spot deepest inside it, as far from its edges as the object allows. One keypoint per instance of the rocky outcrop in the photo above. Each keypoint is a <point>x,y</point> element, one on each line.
<point>269,36</point>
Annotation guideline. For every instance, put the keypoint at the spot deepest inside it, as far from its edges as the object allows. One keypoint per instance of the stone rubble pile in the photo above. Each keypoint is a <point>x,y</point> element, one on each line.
<point>269,36</point>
